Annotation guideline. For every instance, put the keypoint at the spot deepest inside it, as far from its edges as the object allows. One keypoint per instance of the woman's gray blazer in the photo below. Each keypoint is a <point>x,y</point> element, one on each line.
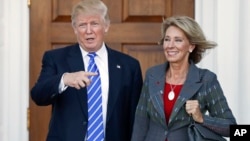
<point>201,84</point>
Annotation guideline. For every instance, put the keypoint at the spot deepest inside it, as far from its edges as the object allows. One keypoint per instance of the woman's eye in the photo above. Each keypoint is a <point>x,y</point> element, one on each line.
<point>166,39</point>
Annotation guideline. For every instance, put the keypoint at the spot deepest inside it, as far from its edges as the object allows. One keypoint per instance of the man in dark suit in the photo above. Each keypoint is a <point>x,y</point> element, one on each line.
<point>64,80</point>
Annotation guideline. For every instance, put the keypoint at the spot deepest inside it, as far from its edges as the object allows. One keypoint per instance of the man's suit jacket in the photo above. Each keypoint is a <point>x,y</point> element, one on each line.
<point>201,84</point>
<point>69,109</point>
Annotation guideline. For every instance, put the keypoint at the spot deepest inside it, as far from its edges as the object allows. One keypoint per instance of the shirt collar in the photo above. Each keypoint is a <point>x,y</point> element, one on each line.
<point>101,52</point>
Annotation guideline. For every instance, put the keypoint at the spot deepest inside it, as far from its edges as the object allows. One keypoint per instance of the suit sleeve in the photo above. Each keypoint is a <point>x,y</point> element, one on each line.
<point>46,88</point>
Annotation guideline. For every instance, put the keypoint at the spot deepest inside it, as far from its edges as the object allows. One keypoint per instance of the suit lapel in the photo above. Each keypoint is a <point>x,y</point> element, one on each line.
<point>75,62</point>
<point>115,73</point>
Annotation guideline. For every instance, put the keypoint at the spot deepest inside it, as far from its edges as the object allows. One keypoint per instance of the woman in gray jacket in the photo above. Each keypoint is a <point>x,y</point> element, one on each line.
<point>177,92</point>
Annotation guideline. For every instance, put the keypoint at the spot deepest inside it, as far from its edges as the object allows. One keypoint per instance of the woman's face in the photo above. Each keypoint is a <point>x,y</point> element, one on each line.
<point>176,45</point>
<point>90,30</point>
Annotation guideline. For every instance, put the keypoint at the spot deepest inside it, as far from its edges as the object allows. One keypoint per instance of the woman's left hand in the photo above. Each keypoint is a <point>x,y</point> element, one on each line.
<point>193,109</point>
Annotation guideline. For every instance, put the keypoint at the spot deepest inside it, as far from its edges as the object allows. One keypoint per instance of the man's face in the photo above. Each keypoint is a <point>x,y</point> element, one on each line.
<point>90,30</point>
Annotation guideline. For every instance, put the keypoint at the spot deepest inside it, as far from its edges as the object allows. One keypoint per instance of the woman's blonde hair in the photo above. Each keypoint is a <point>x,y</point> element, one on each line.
<point>193,32</point>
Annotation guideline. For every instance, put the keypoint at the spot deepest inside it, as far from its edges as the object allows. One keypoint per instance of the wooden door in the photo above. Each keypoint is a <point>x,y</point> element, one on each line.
<point>135,30</point>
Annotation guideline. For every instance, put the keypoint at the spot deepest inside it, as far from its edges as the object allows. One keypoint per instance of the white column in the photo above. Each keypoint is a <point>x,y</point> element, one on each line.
<point>205,15</point>
<point>228,52</point>
<point>243,64</point>
<point>1,72</point>
<point>228,22</point>
<point>14,72</point>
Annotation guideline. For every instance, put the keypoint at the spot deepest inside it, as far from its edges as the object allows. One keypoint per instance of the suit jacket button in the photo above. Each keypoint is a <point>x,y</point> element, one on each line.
<point>84,123</point>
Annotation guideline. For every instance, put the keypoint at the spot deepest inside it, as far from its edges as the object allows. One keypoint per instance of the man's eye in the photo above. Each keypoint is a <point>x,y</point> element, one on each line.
<point>82,25</point>
<point>95,24</point>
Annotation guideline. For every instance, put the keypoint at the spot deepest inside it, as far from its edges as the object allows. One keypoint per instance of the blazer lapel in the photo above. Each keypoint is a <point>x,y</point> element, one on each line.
<point>156,90</point>
<point>189,89</point>
<point>75,62</point>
